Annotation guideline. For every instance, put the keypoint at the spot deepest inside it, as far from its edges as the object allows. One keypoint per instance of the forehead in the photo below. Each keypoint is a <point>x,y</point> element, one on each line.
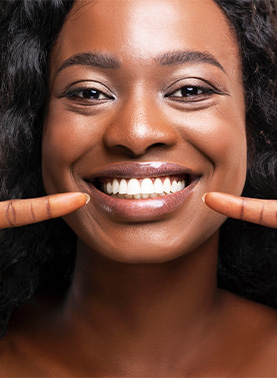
<point>140,30</point>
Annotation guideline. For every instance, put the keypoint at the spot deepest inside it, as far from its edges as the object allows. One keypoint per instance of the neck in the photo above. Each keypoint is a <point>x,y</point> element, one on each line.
<point>113,298</point>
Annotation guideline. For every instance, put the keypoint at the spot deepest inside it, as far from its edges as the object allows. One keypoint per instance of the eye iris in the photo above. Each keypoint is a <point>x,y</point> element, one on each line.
<point>91,94</point>
<point>190,91</point>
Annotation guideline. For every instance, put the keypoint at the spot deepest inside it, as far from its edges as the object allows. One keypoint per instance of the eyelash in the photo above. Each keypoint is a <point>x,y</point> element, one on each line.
<point>190,95</point>
<point>194,93</point>
<point>75,93</point>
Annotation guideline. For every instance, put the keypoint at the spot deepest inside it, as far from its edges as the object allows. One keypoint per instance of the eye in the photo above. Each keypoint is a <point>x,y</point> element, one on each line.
<point>91,94</point>
<point>191,92</point>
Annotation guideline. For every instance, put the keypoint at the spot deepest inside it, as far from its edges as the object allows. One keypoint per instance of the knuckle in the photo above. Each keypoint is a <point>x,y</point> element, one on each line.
<point>48,208</point>
<point>10,214</point>
<point>242,208</point>
<point>32,211</point>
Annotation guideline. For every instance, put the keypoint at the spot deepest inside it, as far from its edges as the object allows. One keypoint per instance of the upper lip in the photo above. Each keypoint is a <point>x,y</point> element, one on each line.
<point>141,170</point>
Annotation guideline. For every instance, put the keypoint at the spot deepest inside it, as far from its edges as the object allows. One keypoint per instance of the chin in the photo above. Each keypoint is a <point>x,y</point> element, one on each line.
<point>151,243</point>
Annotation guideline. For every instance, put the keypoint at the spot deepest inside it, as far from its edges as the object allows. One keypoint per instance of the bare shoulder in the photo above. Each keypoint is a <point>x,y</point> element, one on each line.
<point>247,311</point>
<point>12,361</point>
<point>253,326</point>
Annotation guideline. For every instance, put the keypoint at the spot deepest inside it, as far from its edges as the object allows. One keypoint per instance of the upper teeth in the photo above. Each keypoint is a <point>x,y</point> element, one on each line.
<point>143,188</point>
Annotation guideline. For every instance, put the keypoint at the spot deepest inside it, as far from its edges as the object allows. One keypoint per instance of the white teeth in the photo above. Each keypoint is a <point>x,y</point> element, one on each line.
<point>122,187</point>
<point>128,196</point>
<point>145,195</point>
<point>179,186</point>
<point>133,187</point>
<point>167,185</point>
<point>158,186</point>
<point>109,188</point>
<point>115,186</point>
<point>147,186</point>
<point>141,189</point>
<point>174,186</point>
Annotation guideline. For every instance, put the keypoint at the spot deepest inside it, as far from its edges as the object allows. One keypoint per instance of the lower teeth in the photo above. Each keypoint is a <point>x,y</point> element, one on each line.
<point>138,196</point>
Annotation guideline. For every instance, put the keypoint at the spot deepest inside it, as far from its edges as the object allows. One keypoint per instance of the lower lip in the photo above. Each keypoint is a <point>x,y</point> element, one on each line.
<point>140,210</point>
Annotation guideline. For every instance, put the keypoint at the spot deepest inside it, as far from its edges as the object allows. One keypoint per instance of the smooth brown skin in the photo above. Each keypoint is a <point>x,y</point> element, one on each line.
<point>138,308</point>
<point>263,212</point>
<point>15,213</point>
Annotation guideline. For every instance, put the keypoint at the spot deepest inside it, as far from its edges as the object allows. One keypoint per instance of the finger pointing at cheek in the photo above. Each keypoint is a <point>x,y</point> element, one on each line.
<point>263,212</point>
<point>16,213</point>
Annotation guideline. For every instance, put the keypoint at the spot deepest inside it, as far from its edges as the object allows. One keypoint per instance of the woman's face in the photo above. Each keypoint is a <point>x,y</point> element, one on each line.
<point>145,89</point>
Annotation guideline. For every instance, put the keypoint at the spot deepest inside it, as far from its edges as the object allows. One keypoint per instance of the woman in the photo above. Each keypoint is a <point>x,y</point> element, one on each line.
<point>149,105</point>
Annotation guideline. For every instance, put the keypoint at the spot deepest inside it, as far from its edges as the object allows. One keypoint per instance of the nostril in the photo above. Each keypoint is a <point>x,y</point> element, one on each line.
<point>137,151</point>
<point>156,145</point>
<point>126,151</point>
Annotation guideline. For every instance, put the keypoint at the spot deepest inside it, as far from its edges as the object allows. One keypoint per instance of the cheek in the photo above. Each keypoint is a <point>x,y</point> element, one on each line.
<point>64,130</point>
<point>64,141</point>
<point>229,152</point>
<point>218,134</point>
<point>224,143</point>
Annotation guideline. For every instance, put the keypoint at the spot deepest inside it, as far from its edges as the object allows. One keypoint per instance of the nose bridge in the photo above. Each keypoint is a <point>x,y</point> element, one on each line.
<point>139,124</point>
<point>142,118</point>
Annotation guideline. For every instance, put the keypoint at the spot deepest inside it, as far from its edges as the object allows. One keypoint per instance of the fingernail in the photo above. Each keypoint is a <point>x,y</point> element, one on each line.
<point>88,198</point>
<point>203,197</point>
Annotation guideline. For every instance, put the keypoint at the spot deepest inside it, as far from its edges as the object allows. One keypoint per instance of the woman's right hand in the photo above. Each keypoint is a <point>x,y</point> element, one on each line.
<point>14,213</point>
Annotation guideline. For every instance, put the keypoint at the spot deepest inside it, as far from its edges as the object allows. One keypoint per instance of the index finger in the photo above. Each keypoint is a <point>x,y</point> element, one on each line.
<point>14,213</point>
<point>263,212</point>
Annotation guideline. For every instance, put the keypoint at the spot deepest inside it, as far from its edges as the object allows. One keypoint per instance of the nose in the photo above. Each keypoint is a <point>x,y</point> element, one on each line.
<point>138,127</point>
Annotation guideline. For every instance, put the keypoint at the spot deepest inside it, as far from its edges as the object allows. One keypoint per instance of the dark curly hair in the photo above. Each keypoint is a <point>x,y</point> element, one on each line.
<point>33,258</point>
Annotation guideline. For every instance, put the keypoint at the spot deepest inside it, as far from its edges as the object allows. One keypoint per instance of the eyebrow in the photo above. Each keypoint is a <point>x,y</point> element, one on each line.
<point>182,57</point>
<point>91,59</point>
<point>107,61</point>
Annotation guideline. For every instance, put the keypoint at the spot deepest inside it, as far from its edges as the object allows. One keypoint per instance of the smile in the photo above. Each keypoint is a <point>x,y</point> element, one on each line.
<point>142,188</point>
<point>141,191</point>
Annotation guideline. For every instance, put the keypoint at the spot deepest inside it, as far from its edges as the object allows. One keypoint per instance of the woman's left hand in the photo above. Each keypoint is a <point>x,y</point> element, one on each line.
<point>263,212</point>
